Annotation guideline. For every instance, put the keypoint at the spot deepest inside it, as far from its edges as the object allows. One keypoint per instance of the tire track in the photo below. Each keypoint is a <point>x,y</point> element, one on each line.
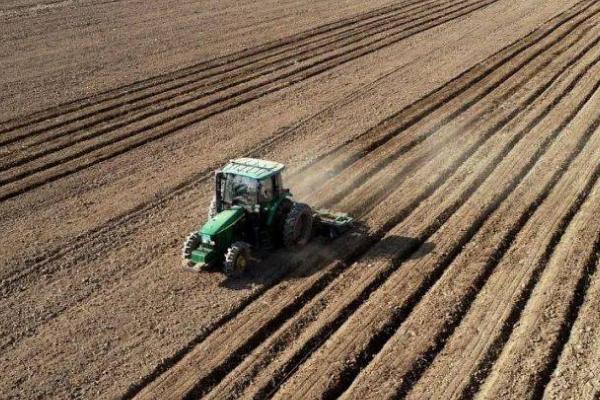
<point>355,246</point>
<point>204,382</point>
<point>85,241</point>
<point>436,317</point>
<point>199,87</point>
<point>291,310</point>
<point>13,178</point>
<point>25,181</point>
<point>13,301</point>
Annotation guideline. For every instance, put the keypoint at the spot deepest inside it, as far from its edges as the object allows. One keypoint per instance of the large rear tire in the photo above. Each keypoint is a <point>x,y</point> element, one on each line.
<point>236,259</point>
<point>297,229</point>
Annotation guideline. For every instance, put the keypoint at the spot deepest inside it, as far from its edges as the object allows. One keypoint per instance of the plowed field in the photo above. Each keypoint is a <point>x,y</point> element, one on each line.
<point>463,135</point>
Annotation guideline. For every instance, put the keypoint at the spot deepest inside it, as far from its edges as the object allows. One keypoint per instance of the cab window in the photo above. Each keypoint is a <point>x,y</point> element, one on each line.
<point>240,190</point>
<point>266,190</point>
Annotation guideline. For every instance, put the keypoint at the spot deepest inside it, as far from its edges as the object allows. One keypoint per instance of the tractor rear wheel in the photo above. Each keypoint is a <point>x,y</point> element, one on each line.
<point>281,214</point>
<point>297,229</point>
<point>236,259</point>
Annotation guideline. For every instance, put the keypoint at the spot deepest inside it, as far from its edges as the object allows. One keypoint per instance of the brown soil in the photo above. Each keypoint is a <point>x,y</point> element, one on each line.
<point>462,134</point>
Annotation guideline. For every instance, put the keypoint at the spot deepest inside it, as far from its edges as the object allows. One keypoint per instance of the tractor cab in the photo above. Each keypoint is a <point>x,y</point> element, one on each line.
<point>249,183</point>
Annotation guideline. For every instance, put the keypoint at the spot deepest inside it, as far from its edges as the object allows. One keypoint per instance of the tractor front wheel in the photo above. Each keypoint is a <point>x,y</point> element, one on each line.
<point>236,259</point>
<point>297,228</point>
<point>191,243</point>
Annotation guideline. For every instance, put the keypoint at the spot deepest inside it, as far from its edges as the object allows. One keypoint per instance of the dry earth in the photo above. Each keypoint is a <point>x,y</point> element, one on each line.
<point>464,135</point>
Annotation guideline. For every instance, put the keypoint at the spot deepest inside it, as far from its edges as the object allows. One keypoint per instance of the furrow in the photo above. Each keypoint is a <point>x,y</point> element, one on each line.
<point>310,279</point>
<point>47,263</point>
<point>35,266</point>
<point>525,365</point>
<point>176,193</point>
<point>483,332</point>
<point>412,347</point>
<point>234,58</point>
<point>462,82</point>
<point>101,151</point>
<point>463,86</point>
<point>266,367</point>
<point>174,379</point>
<point>160,99</point>
<point>437,135</point>
<point>332,368</point>
<point>575,373</point>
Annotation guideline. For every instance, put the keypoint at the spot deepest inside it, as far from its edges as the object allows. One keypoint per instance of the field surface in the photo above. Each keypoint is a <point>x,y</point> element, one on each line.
<point>464,136</point>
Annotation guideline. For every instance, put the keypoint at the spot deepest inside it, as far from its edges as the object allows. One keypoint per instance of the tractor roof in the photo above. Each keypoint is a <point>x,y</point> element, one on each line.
<point>253,168</point>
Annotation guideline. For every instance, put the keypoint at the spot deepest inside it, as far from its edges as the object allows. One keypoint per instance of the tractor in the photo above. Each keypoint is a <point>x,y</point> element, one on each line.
<point>252,211</point>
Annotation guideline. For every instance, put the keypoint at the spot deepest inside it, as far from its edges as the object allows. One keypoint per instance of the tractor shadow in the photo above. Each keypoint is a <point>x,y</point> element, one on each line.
<point>284,265</point>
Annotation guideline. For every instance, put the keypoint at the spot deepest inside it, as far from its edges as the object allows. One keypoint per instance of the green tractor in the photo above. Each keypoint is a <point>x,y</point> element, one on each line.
<point>252,211</point>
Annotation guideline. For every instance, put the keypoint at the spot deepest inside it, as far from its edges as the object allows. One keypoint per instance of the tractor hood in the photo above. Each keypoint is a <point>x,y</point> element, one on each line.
<point>222,221</point>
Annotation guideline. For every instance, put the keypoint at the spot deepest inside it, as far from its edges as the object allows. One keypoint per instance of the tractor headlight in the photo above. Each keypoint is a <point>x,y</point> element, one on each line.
<point>207,240</point>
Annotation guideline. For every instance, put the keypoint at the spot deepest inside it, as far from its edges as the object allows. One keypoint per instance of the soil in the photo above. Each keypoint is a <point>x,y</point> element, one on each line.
<point>463,135</point>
